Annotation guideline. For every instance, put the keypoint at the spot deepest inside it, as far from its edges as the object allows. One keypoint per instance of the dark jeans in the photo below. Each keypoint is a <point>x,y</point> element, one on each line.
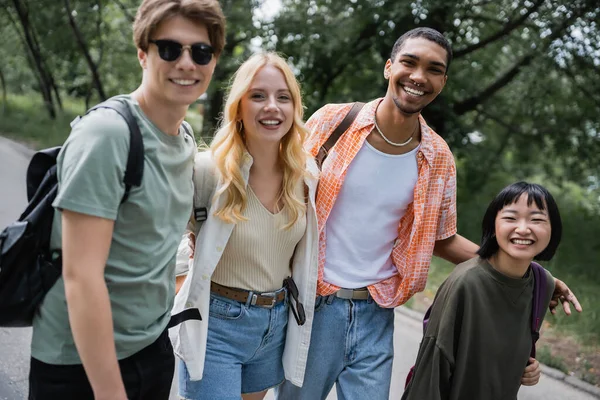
<point>147,374</point>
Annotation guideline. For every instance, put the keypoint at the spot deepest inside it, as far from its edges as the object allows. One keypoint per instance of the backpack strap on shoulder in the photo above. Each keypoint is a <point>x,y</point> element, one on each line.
<point>537,308</point>
<point>337,133</point>
<point>188,130</point>
<point>134,170</point>
<point>42,164</point>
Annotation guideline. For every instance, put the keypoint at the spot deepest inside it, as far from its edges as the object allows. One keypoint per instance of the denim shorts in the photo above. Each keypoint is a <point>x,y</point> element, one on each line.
<point>244,351</point>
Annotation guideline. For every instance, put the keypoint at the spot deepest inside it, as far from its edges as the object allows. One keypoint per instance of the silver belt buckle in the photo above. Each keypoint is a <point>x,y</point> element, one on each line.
<point>272,295</point>
<point>346,294</point>
<point>352,294</point>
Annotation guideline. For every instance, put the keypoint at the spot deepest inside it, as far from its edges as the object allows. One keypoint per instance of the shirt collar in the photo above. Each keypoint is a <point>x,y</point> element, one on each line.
<point>247,162</point>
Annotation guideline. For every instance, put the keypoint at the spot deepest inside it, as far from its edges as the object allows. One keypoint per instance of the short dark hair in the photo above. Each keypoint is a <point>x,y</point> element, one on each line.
<point>510,195</point>
<point>426,33</point>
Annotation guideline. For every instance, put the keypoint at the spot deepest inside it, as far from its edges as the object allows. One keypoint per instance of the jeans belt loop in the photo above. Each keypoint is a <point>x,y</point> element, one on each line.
<point>251,298</point>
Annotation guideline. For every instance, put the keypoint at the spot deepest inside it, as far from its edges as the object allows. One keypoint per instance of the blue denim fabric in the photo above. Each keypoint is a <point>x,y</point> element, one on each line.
<point>244,351</point>
<point>351,346</point>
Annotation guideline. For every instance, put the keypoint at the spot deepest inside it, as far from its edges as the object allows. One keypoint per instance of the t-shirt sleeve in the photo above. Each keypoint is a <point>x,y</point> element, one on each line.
<point>432,379</point>
<point>91,165</point>
<point>434,368</point>
<point>447,216</point>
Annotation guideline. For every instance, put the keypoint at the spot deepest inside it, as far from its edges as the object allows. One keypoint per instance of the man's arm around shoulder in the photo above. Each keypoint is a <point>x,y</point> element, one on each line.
<point>456,249</point>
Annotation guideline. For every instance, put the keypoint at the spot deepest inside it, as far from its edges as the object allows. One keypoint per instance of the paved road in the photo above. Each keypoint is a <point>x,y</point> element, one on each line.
<point>14,343</point>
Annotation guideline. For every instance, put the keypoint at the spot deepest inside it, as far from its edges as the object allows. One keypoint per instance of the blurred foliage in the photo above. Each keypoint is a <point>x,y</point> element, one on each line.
<point>523,80</point>
<point>28,125</point>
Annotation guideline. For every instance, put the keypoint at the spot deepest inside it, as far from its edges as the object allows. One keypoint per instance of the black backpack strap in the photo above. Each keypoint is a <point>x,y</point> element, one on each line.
<point>337,133</point>
<point>187,129</point>
<point>190,313</point>
<point>537,307</point>
<point>41,165</point>
<point>135,160</point>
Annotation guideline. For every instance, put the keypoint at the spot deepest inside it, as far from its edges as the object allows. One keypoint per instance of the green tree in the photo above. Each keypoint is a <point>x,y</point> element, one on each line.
<point>522,79</point>
<point>242,26</point>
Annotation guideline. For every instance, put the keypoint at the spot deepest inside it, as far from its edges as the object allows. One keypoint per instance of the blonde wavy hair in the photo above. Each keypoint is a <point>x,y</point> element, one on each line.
<point>228,146</point>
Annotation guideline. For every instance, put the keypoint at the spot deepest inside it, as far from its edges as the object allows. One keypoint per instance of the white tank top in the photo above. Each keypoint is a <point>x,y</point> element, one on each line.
<point>363,224</point>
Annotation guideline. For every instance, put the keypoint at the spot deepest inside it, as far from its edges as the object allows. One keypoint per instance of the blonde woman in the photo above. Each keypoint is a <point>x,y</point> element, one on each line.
<point>259,228</point>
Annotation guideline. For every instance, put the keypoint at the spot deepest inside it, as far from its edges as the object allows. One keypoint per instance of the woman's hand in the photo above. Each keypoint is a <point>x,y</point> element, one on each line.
<point>531,375</point>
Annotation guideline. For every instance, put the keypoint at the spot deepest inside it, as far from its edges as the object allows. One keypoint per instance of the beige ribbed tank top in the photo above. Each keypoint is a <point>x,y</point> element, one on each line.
<point>258,254</point>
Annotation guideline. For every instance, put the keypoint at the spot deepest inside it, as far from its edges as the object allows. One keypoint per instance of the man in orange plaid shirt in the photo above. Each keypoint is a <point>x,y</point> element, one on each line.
<point>386,203</point>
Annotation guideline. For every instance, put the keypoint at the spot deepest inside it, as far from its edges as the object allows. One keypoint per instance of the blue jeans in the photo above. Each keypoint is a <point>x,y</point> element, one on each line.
<point>244,351</point>
<point>351,346</point>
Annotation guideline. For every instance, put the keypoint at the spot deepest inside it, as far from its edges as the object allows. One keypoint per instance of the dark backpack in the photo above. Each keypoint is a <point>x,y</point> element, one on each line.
<point>28,268</point>
<point>537,310</point>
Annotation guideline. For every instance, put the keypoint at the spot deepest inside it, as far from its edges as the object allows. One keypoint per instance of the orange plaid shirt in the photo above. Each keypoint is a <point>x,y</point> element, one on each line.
<point>430,217</point>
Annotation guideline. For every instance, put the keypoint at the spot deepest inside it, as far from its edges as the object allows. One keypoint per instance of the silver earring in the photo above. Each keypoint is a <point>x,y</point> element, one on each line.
<point>239,125</point>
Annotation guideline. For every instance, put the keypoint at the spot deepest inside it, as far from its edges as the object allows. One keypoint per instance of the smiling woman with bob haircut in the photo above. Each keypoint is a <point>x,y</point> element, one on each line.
<point>478,337</point>
<point>535,193</point>
<point>252,245</point>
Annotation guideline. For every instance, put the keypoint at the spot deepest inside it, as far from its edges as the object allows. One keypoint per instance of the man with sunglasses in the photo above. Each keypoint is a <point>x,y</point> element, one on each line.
<point>101,330</point>
<point>386,203</point>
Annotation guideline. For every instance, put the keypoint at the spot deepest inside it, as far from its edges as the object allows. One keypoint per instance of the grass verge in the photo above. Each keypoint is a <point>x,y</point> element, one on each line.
<point>26,120</point>
<point>545,356</point>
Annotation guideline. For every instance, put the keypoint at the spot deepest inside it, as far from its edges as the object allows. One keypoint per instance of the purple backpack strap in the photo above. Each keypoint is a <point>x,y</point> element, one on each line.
<point>412,369</point>
<point>426,319</point>
<point>537,308</point>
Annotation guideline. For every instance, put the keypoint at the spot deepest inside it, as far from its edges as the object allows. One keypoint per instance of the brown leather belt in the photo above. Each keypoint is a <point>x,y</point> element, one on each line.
<point>264,299</point>
<point>353,294</point>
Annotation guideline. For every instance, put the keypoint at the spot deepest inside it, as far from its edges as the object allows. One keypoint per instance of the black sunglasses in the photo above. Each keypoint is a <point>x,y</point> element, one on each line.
<point>170,50</point>
<point>296,306</point>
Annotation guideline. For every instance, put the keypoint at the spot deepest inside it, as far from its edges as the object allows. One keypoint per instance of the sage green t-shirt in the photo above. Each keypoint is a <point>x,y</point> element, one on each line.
<point>140,269</point>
